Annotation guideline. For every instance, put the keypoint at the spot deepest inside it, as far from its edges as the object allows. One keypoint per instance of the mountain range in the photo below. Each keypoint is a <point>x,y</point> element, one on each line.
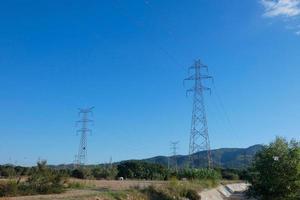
<point>235,158</point>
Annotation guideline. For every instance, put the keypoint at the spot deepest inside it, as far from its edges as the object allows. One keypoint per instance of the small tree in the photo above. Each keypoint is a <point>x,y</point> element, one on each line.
<point>275,174</point>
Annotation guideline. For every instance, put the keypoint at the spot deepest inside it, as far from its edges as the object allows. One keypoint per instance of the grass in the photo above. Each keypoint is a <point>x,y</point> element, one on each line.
<point>169,190</point>
<point>172,190</point>
<point>80,185</point>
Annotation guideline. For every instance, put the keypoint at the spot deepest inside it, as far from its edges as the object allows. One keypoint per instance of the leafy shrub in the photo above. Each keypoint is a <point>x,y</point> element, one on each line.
<point>82,173</point>
<point>9,188</point>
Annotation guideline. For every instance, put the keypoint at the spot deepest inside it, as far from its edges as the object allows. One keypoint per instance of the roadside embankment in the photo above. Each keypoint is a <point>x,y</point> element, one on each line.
<point>233,191</point>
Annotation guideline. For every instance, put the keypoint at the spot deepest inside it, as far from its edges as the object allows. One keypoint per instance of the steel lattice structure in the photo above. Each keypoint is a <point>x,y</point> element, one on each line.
<point>199,138</point>
<point>81,157</point>
<point>173,157</point>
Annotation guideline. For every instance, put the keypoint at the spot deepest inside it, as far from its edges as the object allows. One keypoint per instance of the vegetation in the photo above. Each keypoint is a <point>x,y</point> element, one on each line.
<point>275,174</point>
<point>175,190</point>
<point>142,170</point>
<point>108,173</point>
<point>199,174</point>
<point>44,180</point>
<point>41,181</point>
<point>232,174</point>
<point>81,173</point>
<point>128,170</point>
<point>10,171</point>
<point>178,190</point>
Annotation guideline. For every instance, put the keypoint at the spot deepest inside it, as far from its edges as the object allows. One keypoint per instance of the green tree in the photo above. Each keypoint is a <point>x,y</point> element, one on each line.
<point>142,170</point>
<point>82,172</point>
<point>275,174</point>
<point>104,172</point>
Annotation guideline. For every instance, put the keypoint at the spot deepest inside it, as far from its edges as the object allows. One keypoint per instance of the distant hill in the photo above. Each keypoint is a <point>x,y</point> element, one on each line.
<point>235,158</point>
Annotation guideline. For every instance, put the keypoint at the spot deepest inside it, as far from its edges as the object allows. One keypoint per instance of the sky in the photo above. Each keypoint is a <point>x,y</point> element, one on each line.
<point>129,59</point>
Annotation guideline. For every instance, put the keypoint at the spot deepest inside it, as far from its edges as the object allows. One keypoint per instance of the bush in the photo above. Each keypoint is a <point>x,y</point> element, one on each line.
<point>82,173</point>
<point>8,189</point>
<point>105,172</point>
<point>275,173</point>
<point>175,191</point>
<point>41,181</point>
<point>158,194</point>
<point>78,173</point>
<point>230,174</point>
<point>192,195</point>
<point>44,180</point>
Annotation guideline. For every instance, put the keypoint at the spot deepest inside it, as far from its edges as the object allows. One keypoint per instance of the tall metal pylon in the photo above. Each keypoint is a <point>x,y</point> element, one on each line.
<point>172,158</point>
<point>199,138</point>
<point>81,157</point>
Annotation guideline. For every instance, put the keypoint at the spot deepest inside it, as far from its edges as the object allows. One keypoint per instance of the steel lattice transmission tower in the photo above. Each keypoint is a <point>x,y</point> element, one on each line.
<point>81,157</point>
<point>172,161</point>
<point>199,138</point>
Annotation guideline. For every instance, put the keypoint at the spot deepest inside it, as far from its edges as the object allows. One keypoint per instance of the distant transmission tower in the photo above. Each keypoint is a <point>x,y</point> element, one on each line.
<point>173,159</point>
<point>83,131</point>
<point>199,138</point>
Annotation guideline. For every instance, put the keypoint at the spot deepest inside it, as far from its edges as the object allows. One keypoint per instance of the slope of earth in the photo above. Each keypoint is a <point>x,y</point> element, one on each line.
<point>235,158</point>
<point>226,192</point>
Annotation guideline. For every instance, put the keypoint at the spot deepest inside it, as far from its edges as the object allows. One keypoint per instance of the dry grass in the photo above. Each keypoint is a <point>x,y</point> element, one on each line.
<point>112,190</point>
<point>118,185</point>
<point>97,190</point>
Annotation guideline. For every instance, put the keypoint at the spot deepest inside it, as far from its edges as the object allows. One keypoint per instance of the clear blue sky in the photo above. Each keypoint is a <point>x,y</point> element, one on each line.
<point>128,59</point>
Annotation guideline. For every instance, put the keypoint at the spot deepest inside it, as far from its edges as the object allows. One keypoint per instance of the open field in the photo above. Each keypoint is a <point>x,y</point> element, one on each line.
<point>127,189</point>
<point>96,189</point>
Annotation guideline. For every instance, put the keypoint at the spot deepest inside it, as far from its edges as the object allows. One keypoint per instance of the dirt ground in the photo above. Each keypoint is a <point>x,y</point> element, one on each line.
<point>69,195</point>
<point>97,188</point>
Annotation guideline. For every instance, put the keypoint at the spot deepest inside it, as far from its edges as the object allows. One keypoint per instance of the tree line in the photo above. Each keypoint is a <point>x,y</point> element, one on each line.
<point>273,175</point>
<point>139,170</point>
